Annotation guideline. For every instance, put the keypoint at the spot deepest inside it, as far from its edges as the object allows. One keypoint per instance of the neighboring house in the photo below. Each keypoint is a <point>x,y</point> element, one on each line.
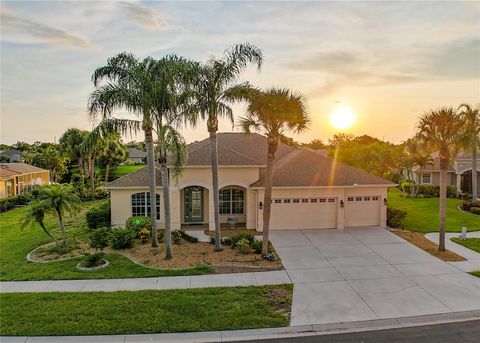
<point>18,177</point>
<point>459,173</point>
<point>309,190</point>
<point>136,156</point>
<point>11,156</point>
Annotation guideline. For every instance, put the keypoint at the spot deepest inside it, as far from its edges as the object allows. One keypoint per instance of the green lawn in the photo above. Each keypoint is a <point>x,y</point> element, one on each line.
<point>422,213</point>
<point>204,309</point>
<point>470,243</point>
<point>476,273</point>
<point>15,244</point>
<point>124,170</point>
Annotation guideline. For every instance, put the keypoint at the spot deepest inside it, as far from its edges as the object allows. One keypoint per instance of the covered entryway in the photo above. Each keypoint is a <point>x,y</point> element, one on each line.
<point>362,210</point>
<point>304,213</point>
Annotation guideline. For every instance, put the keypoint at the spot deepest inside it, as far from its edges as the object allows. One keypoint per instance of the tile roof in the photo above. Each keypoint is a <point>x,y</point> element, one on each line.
<point>138,178</point>
<point>21,168</point>
<point>307,168</point>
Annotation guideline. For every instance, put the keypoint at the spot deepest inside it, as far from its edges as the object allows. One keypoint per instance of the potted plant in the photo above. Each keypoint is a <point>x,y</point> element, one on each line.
<point>231,223</point>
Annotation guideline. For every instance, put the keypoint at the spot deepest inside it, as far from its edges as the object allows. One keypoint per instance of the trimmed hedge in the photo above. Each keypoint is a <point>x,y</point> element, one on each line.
<point>138,223</point>
<point>99,216</point>
<point>7,204</point>
<point>122,238</point>
<point>395,217</point>
<point>431,191</point>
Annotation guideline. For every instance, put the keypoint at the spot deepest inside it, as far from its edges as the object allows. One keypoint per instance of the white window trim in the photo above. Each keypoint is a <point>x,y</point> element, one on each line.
<point>421,178</point>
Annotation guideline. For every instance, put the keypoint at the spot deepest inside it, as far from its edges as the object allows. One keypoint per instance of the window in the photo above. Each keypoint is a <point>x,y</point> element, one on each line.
<point>232,201</point>
<point>296,201</point>
<point>331,200</point>
<point>286,201</point>
<point>313,200</point>
<point>278,201</point>
<point>375,198</point>
<point>366,198</point>
<point>427,178</point>
<point>141,205</point>
<point>350,199</point>
<point>323,200</point>
<point>304,201</point>
<point>358,199</point>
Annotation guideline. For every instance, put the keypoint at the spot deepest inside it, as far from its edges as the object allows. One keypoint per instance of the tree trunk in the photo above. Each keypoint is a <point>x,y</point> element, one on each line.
<point>151,182</point>
<point>62,227</point>
<point>107,171</point>
<point>42,225</point>
<point>166,208</point>
<point>92,177</point>
<point>216,195</point>
<point>474,173</point>
<point>443,207</point>
<point>267,200</point>
<point>81,170</point>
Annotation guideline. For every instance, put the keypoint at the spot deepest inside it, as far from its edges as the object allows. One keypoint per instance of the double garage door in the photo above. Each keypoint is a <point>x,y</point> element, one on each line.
<point>322,212</point>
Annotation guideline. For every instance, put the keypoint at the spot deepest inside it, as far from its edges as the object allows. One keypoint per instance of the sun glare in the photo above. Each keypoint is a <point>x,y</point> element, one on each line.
<point>342,118</point>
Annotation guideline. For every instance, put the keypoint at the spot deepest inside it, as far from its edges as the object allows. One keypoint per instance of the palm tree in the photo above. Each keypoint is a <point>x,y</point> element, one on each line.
<point>274,112</point>
<point>414,156</point>
<point>61,199</point>
<point>35,214</point>
<point>439,130</point>
<point>69,146</point>
<point>131,86</point>
<point>471,138</point>
<point>215,90</point>
<point>113,152</point>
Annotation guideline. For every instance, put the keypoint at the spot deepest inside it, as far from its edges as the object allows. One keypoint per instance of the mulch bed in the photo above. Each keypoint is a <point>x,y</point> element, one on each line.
<point>427,245</point>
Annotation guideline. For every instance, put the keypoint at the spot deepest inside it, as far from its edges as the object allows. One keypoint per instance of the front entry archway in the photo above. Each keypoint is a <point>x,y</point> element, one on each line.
<point>193,204</point>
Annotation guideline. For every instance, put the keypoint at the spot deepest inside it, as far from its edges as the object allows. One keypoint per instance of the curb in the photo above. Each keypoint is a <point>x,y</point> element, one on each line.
<point>269,333</point>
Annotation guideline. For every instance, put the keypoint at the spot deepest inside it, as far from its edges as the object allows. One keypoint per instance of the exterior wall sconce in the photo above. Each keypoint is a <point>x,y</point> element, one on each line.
<point>385,201</point>
<point>260,205</point>
<point>342,204</point>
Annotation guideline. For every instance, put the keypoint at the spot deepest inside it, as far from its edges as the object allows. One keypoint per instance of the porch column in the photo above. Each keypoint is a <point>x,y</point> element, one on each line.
<point>459,183</point>
<point>175,207</point>
<point>341,210</point>
<point>211,216</point>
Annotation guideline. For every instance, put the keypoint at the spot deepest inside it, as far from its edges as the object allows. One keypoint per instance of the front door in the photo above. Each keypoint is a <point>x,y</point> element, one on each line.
<point>193,198</point>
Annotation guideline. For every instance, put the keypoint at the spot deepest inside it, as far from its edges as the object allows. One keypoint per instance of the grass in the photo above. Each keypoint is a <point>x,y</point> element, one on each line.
<point>422,213</point>
<point>475,273</point>
<point>123,312</point>
<point>16,243</point>
<point>124,170</point>
<point>470,243</point>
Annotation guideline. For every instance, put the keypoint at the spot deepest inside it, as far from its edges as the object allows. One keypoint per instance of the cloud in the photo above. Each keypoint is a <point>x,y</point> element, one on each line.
<point>144,16</point>
<point>16,28</point>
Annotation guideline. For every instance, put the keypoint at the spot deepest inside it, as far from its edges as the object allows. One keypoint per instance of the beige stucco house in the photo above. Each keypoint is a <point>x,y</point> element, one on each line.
<point>310,191</point>
<point>16,178</point>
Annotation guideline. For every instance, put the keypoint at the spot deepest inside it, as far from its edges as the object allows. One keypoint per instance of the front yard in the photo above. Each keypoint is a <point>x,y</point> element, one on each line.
<point>422,213</point>
<point>123,312</point>
<point>470,243</point>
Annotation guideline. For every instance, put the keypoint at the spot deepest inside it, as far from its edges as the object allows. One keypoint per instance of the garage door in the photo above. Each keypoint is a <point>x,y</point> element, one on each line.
<point>362,211</point>
<point>303,213</point>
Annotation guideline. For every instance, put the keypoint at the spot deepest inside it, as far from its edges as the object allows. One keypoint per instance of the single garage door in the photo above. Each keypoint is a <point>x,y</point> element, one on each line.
<point>362,211</point>
<point>303,213</point>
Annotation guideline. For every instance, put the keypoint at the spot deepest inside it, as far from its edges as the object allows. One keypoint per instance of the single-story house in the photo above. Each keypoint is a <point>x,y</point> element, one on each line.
<point>16,178</point>
<point>136,156</point>
<point>459,173</point>
<point>310,190</point>
<point>11,156</point>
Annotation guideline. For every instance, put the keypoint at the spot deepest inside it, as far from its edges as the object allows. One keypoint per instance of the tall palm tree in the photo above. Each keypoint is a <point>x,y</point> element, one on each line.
<point>215,89</point>
<point>439,130</point>
<point>61,199</point>
<point>470,117</point>
<point>35,214</point>
<point>414,156</point>
<point>273,113</point>
<point>69,144</point>
<point>113,152</point>
<point>131,86</point>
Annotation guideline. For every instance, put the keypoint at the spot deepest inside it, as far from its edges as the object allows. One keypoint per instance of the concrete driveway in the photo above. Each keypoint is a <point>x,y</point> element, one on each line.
<point>368,273</point>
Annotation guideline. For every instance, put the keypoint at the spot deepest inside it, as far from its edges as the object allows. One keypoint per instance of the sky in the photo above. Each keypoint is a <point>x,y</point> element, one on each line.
<point>389,61</point>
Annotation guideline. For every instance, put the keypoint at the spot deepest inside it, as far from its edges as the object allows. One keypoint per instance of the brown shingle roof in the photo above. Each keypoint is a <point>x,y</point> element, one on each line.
<point>138,178</point>
<point>309,169</point>
<point>22,168</point>
<point>7,173</point>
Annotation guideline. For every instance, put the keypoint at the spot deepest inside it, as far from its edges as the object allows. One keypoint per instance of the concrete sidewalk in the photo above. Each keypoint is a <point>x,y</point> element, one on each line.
<point>241,335</point>
<point>175,282</point>
<point>473,257</point>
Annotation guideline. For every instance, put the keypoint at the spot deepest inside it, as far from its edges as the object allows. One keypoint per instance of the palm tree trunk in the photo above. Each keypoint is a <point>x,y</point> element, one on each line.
<point>62,227</point>
<point>216,195</point>
<point>151,182</point>
<point>92,177</point>
<point>474,172</point>
<point>81,170</point>
<point>42,225</point>
<point>443,208</point>
<point>107,171</point>
<point>166,209</point>
<point>267,200</point>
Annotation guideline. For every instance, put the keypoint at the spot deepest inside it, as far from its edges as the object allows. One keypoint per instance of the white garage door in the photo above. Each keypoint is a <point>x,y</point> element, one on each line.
<point>362,211</point>
<point>303,213</point>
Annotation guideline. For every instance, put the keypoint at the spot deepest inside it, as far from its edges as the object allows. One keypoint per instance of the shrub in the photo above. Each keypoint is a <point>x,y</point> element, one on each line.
<point>138,223</point>
<point>395,217</point>
<point>225,241</point>
<point>100,238</point>
<point>144,235</point>
<point>243,235</point>
<point>468,204</point>
<point>99,216</point>
<point>257,246</point>
<point>475,210</point>
<point>7,204</point>
<point>187,237</point>
<point>176,237</point>
<point>122,238</point>
<point>430,191</point>
<point>93,260</point>
<point>243,246</point>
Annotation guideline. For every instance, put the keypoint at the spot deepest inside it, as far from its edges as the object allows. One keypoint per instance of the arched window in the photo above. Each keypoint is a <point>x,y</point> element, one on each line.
<point>232,201</point>
<point>141,204</point>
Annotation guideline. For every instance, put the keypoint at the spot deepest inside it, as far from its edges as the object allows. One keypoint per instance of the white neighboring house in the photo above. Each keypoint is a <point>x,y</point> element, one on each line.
<point>459,173</point>
<point>310,191</point>
<point>136,156</point>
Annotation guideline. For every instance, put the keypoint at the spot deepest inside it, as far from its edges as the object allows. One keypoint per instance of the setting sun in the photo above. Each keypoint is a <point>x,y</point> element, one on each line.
<point>342,118</point>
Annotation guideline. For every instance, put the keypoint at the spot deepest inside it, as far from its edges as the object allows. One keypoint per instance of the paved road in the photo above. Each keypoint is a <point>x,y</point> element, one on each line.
<point>461,332</point>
